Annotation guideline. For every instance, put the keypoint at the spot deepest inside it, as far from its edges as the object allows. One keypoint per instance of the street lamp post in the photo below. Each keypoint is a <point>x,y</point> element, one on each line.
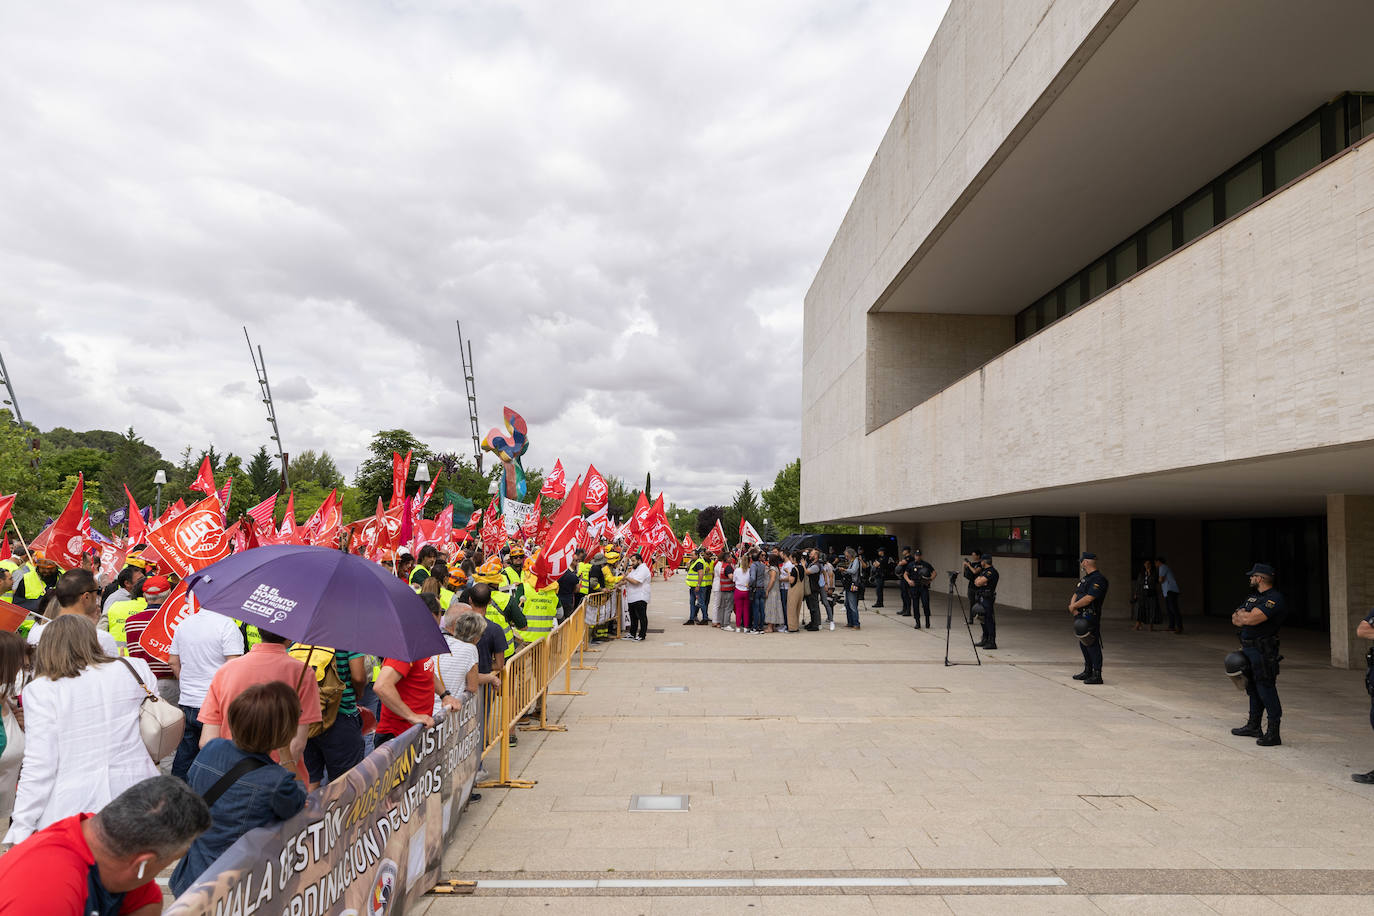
<point>422,474</point>
<point>159,478</point>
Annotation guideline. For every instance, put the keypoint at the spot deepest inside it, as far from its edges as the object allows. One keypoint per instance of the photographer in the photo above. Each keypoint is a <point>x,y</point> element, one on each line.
<point>852,581</point>
<point>972,565</point>
<point>880,570</point>
<point>985,595</point>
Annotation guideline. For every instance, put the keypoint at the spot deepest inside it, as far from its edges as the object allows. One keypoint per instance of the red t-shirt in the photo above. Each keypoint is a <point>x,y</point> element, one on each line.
<point>47,874</point>
<point>416,688</point>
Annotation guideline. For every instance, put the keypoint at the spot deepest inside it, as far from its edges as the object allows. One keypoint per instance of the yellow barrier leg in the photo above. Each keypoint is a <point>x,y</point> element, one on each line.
<point>503,771</point>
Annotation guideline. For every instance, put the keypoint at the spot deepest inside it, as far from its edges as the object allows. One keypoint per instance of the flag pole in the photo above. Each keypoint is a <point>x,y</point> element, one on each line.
<point>22,544</point>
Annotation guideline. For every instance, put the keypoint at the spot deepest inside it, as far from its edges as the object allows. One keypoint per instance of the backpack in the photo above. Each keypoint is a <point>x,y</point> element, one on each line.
<point>321,661</point>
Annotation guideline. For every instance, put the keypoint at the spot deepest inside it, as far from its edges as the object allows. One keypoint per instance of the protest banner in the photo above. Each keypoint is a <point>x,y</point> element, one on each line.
<point>369,843</point>
<point>516,516</point>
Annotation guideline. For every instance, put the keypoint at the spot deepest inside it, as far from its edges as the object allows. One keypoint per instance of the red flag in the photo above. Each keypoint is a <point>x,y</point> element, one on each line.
<point>531,526</point>
<point>474,520</point>
<point>66,543</point>
<point>419,506</point>
<point>156,638</point>
<point>205,478</point>
<point>6,504</point>
<point>400,470</point>
<point>322,529</point>
<point>556,554</point>
<point>595,492</point>
<point>136,523</point>
<point>407,529</point>
<point>264,513</point>
<point>493,529</point>
<point>715,541</point>
<point>687,542</point>
<point>193,540</point>
<point>747,534</point>
<point>11,616</point>
<point>224,495</point>
<point>555,485</point>
<point>286,534</point>
<point>639,518</point>
<point>5,548</point>
<point>443,528</point>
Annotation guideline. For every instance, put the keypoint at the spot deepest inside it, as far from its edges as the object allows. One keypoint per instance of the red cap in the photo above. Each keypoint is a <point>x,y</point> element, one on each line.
<point>156,588</point>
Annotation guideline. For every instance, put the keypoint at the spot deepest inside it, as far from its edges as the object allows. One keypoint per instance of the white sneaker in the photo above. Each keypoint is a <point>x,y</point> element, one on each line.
<point>727,628</point>
<point>832,624</point>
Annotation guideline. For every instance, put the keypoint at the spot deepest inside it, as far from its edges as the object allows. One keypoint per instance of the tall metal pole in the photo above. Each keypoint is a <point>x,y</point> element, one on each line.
<point>470,382</point>
<point>260,367</point>
<point>18,414</point>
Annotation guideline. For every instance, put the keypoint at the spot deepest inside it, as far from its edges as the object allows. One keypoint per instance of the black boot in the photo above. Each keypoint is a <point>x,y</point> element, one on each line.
<point>1251,729</point>
<point>1083,675</point>
<point>990,645</point>
<point>1363,778</point>
<point>1094,678</point>
<point>1271,737</point>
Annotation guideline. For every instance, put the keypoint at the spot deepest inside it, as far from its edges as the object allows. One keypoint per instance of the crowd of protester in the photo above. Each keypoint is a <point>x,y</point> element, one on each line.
<point>266,721</point>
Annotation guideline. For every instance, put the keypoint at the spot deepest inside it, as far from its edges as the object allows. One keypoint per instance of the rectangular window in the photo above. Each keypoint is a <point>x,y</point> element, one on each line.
<point>1097,279</point>
<point>1197,216</point>
<point>1159,239</point>
<point>1243,188</point>
<point>1298,154</point>
<point>1025,323</point>
<point>1073,296</point>
<point>1124,262</point>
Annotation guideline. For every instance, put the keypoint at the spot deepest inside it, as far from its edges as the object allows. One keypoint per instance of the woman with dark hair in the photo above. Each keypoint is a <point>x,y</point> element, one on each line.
<point>774,613</point>
<point>794,592</point>
<point>238,779</point>
<point>82,745</point>
<point>14,664</point>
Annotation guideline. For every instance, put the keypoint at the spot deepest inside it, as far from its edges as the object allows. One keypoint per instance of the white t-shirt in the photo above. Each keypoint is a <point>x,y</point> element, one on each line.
<point>203,642</point>
<point>786,567</point>
<point>454,667</point>
<point>715,576</point>
<point>637,584</point>
<point>741,578</point>
<point>107,642</point>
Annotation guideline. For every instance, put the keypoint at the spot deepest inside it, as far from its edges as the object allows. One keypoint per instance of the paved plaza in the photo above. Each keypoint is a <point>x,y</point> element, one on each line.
<point>843,772</point>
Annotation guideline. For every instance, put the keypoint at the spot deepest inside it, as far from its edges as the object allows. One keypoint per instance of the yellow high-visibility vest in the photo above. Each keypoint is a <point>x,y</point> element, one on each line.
<point>496,614</point>
<point>698,570</point>
<point>541,613</point>
<point>119,614</point>
<point>584,578</point>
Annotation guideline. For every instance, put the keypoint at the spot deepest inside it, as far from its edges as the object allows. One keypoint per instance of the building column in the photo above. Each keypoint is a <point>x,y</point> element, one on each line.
<point>1350,573</point>
<point>1109,536</point>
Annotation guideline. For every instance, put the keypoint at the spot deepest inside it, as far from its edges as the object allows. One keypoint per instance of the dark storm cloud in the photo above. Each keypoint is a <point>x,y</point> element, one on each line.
<point>624,203</point>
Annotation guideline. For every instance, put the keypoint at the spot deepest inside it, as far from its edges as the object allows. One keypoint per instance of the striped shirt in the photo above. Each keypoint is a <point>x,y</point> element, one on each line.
<point>348,705</point>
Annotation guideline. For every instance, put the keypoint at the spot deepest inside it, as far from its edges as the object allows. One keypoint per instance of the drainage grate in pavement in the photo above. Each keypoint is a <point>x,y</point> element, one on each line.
<point>930,689</point>
<point>652,630</point>
<point>670,689</point>
<point>675,644</point>
<point>659,802</point>
<point>1117,803</point>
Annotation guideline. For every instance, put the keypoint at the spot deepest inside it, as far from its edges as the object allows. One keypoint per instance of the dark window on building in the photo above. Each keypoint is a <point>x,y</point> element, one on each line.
<point>1303,147</point>
<point>1052,541</point>
<point>1056,546</point>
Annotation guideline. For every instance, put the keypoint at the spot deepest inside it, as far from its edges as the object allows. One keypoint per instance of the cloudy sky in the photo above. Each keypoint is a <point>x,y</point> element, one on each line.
<point>623,202</point>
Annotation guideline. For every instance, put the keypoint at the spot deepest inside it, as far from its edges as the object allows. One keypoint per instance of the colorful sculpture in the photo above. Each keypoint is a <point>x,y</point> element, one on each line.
<point>509,448</point>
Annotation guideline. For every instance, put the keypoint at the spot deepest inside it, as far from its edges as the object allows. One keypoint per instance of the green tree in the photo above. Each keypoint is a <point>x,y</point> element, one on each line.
<point>781,504</point>
<point>746,506</point>
<point>263,477</point>
<point>133,463</point>
<point>373,479</point>
<point>319,469</point>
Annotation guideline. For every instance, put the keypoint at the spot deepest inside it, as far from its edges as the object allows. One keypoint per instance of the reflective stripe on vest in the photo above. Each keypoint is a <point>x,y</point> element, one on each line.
<point>496,614</point>
<point>541,614</point>
<point>698,572</point>
<point>445,597</point>
<point>34,586</point>
<point>119,614</point>
<point>584,578</point>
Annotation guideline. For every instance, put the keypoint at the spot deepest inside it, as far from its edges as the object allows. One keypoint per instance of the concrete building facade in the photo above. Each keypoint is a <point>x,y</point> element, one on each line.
<point>1108,284</point>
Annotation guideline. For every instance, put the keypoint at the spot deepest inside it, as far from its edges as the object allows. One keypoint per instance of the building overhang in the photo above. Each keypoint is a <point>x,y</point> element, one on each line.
<point>1175,94</point>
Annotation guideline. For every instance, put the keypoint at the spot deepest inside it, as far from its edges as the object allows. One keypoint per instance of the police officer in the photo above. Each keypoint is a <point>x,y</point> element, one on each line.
<point>1366,631</point>
<point>903,584</point>
<point>880,575</point>
<point>1259,619</point>
<point>1086,606</point>
<point>922,573</point>
<point>971,567</point>
<point>985,594</point>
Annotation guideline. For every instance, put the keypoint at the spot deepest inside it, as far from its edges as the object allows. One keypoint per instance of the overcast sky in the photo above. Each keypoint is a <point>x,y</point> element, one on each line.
<point>624,203</point>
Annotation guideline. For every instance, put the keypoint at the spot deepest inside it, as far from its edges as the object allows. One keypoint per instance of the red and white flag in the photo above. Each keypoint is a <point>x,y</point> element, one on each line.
<point>474,520</point>
<point>264,513</point>
<point>595,492</point>
<point>193,540</point>
<point>224,495</point>
<point>6,506</point>
<point>747,534</point>
<point>531,526</point>
<point>493,529</point>
<point>5,548</point>
<point>599,521</point>
<point>566,529</point>
<point>687,543</point>
<point>67,542</point>
<point>156,639</point>
<point>286,534</point>
<point>555,485</point>
<point>400,470</point>
<point>637,520</point>
<point>715,541</point>
<point>205,478</point>
<point>322,528</point>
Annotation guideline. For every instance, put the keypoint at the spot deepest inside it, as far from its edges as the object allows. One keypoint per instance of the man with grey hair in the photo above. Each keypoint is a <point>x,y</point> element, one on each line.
<point>105,863</point>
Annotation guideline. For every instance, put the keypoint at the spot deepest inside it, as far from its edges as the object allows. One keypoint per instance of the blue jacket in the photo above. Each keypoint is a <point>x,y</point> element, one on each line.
<point>262,796</point>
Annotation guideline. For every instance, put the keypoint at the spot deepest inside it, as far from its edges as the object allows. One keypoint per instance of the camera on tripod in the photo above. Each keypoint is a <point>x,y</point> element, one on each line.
<point>953,576</point>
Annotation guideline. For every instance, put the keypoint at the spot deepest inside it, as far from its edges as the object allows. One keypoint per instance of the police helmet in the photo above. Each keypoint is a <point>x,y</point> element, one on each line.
<point>1237,665</point>
<point>1082,627</point>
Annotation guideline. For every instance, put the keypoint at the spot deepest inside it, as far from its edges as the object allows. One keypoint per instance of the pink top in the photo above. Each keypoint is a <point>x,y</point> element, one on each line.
<point>264,662</point>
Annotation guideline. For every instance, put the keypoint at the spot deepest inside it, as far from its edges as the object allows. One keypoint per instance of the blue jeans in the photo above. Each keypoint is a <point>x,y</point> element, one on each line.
<point>189,746</point>
<point>756,602</point>
<point>851,608</point>
<point>698,598</point>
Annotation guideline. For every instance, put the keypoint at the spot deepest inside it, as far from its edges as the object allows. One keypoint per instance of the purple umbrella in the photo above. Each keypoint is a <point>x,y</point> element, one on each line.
<point>321,597</point>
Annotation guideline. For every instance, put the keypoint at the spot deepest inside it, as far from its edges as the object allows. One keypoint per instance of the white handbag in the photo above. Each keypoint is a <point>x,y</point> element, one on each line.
<point>160,723</point>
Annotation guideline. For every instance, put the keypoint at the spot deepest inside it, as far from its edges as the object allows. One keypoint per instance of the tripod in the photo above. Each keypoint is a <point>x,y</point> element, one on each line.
<point>949,623</point>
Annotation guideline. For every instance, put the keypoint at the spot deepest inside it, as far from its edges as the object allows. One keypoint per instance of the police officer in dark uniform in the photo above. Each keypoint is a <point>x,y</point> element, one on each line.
<point>921,574</point>
<point>1259,619</point>
<point>1086,606</point>
<point>985,596</point>
<point>903,584</point>
<point>972,565</point>
<point>880,569</point>
<point>1366,631</point>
